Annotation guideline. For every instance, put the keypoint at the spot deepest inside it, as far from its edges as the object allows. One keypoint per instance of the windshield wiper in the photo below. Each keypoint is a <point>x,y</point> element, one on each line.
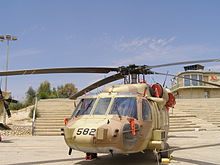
<point>85,108</point>
<point>116,108</point>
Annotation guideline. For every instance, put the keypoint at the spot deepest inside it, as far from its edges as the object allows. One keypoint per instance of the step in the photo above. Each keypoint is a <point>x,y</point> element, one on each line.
<point>181,124</point>
<point>55,112</point>
<point>49,120</point>
<point>47,134</point>
<point>185,129</point>
<point>50,127</point>
<point>185,126</point>
<point>177,119</point>
<point>184,116</point>
<point>54,116</point>
<point>47,130</point>
<point>49,124</point>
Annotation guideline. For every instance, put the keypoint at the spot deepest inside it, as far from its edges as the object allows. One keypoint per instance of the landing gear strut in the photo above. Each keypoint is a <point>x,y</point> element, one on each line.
<point>90,156</point>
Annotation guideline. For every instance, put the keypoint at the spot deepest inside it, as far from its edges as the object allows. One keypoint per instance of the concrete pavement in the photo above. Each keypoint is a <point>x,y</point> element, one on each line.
<point>201,148</point>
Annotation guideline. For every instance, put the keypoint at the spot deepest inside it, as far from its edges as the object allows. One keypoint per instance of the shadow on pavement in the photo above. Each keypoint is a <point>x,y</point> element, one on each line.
<point>193,161</point>
<point>46,161</point>
<point>6,141</point>
<point>173,136</point>
<point>119,159</point>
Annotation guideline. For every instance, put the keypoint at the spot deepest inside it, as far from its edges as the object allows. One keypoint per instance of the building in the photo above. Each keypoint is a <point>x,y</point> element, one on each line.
<point>187,89</point>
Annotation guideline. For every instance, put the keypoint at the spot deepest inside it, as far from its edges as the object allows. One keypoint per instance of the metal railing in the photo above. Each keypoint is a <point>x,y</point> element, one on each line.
<point>34,116</point>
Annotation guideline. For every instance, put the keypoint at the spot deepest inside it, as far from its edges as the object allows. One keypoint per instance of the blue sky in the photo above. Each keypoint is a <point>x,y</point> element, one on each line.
<point>57,33</point>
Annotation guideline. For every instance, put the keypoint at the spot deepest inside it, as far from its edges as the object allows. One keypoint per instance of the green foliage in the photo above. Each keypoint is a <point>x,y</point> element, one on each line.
<point>31,113</point>
<point>44,91</point>
<point>17,106</point>
<point>66,91</point>
<point>30,96</point>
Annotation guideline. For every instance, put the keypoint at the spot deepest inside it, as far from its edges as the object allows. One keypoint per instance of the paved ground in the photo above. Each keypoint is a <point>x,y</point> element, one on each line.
<point>201,148</point>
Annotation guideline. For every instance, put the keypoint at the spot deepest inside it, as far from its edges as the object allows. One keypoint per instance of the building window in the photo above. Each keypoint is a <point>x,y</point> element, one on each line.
<point>194,76</point>
<point>200,78</point>
<point>186,81</point>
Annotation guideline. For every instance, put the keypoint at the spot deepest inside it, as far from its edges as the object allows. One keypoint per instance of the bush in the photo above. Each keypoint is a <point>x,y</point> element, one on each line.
<point>14,106</point>
<point>43,95</point>
<point>31,113</point>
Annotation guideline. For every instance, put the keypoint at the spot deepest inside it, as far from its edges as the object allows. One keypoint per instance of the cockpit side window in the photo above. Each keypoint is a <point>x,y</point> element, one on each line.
<point>125,106</point>
<point>84,107</point>
<point>102,106</point>
<point>146,111</point>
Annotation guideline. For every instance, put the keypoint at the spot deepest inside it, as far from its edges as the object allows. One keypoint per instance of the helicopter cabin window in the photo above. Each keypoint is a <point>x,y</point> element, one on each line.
<point>84,107</point>
<point>102,106</point>
<point>146,111</point>
<point>124,106</point>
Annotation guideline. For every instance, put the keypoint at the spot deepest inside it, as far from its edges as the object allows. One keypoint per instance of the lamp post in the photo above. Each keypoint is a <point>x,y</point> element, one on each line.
<point>7,38</point>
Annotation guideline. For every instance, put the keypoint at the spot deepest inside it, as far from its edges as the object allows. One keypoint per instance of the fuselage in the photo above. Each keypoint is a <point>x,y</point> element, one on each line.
<point>117,121</point>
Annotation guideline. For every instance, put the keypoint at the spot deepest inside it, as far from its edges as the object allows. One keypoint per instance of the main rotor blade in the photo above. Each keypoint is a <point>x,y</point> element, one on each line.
<point>97,84</point>
<point>4,127</point>
<point>10,100</point>
<point>60,70</point>
<point>205,82</point>
<point>185,62</point>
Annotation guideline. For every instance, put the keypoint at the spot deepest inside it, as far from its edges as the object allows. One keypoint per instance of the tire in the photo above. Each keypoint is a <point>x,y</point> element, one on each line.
<point>165,153</point>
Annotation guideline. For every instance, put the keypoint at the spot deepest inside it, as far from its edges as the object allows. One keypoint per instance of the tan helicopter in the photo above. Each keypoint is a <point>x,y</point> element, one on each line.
<point>128,118</point>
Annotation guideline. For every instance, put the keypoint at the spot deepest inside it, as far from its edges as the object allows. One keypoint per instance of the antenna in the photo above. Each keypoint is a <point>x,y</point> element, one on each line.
<point>165,79</point>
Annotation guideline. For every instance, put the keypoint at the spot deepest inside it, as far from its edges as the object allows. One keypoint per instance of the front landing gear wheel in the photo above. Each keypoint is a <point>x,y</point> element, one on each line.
<point>90,156</point>
<point>165,153</point>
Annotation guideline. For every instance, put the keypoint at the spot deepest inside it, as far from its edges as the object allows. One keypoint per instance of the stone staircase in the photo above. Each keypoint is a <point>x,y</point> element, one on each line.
<point>195,115</point>
<point>188,115</point>
<point>52,113</point>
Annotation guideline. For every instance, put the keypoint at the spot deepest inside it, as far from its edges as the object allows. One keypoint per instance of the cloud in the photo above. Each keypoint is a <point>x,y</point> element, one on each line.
<point>161,50</point>
<point>214,68</point>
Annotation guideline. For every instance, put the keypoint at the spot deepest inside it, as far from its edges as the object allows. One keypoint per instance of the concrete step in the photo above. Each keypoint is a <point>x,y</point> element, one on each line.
<point>52,118</point>
<point>47,134</point>
<point>55,112</point>
<point>48,124</point>
<point>186,129</point>
<point>180,121</point>
<point>185,126</point>
<point>39,120</point>
<point>42,116</point>
<point>182,124</point>
<point>182,116</point>
<point>57,127</point>
<point>47,130</point>
<point>176,119</point>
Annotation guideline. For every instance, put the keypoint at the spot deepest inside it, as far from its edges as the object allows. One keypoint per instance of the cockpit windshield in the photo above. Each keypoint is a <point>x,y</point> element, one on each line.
<point>124,106</point>
<point>102,106</point>
<point>121,106</point>
<point>84,107</point>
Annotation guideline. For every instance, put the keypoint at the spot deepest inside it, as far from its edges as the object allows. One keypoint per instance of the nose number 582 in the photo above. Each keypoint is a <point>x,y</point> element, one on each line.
<point>86,131</point>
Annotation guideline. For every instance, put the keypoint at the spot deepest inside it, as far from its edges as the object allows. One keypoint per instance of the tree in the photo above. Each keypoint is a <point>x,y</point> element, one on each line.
<point>66,91</point>
<point>44,91</point>
<point>30,95</point>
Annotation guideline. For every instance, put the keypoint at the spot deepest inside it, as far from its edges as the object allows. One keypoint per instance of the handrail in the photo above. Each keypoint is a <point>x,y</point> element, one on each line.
<point>34,116</point>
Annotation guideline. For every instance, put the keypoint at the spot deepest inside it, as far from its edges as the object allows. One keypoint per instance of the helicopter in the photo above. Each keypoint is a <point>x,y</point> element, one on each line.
<point>128,118</point>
